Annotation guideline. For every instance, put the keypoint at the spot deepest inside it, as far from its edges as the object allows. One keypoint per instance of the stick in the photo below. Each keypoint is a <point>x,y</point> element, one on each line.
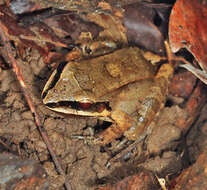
<point>27,95</point>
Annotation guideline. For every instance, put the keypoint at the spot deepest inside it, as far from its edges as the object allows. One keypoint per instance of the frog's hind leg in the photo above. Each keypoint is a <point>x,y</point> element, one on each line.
<point>136,105</point>
<point>153,102</point>
<point>151,105</point>
<point>124,112</point>
<point>132,118</point>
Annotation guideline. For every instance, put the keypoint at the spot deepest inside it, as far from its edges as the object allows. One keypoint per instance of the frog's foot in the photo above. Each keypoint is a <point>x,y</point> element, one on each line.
<point>89,140</point>
<point>123,154</point>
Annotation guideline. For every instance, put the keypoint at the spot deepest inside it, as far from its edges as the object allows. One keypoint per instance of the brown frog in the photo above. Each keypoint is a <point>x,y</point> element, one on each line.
<point>121,87</point>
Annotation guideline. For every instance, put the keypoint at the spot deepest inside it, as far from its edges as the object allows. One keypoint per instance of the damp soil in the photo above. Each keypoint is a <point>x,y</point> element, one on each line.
<point>166,151</point>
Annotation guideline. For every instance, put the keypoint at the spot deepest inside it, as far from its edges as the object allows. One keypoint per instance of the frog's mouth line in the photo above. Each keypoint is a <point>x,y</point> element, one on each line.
<point>97,107</point>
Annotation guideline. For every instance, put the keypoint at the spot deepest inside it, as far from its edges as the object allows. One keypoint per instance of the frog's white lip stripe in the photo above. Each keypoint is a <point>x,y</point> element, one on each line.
<point>105,114</point>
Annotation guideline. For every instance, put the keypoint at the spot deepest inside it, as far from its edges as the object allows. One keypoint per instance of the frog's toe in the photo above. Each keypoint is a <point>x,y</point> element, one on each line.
<point>86,139</point>
<point>89,140</point>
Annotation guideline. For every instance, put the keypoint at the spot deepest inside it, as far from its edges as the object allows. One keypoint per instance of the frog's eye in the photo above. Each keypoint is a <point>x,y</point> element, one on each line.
<point>86,50</point>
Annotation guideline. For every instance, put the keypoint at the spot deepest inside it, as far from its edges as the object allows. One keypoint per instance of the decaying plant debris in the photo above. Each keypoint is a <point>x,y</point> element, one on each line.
<point>172,145</point>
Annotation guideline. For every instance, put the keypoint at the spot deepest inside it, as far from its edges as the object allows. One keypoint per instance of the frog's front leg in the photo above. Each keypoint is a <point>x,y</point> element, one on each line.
<point>122,122</point>
<point>136,106</point>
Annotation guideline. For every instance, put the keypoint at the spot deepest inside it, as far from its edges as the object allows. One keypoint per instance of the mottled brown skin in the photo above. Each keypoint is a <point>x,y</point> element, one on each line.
<point>124,79</point>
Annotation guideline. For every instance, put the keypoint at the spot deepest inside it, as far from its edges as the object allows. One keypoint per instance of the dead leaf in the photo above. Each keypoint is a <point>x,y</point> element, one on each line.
<point>188,29</point>
<point>44,29</point>
<point>194,177</point>
<point>146,25</point>
<point>141,180</point>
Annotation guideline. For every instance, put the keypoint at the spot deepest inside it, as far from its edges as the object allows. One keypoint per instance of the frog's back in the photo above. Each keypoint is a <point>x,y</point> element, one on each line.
<point>94,79</point>
<point>104,74</point>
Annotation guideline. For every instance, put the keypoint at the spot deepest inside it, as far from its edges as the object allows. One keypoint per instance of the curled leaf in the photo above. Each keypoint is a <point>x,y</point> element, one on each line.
<point>188,29</point>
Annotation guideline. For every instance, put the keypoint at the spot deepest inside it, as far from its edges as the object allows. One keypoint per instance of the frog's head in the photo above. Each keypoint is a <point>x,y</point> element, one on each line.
<point>66,96</point>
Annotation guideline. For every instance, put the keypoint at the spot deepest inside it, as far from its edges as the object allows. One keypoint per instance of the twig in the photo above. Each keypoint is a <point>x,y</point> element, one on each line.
<point>27,95</point>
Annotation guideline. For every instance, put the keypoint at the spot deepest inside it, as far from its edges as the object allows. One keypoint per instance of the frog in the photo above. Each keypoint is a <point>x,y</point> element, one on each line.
<point>122,87</point>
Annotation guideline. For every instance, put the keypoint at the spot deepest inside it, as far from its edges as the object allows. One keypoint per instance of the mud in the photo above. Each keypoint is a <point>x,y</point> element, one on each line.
<point>166,151</point>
